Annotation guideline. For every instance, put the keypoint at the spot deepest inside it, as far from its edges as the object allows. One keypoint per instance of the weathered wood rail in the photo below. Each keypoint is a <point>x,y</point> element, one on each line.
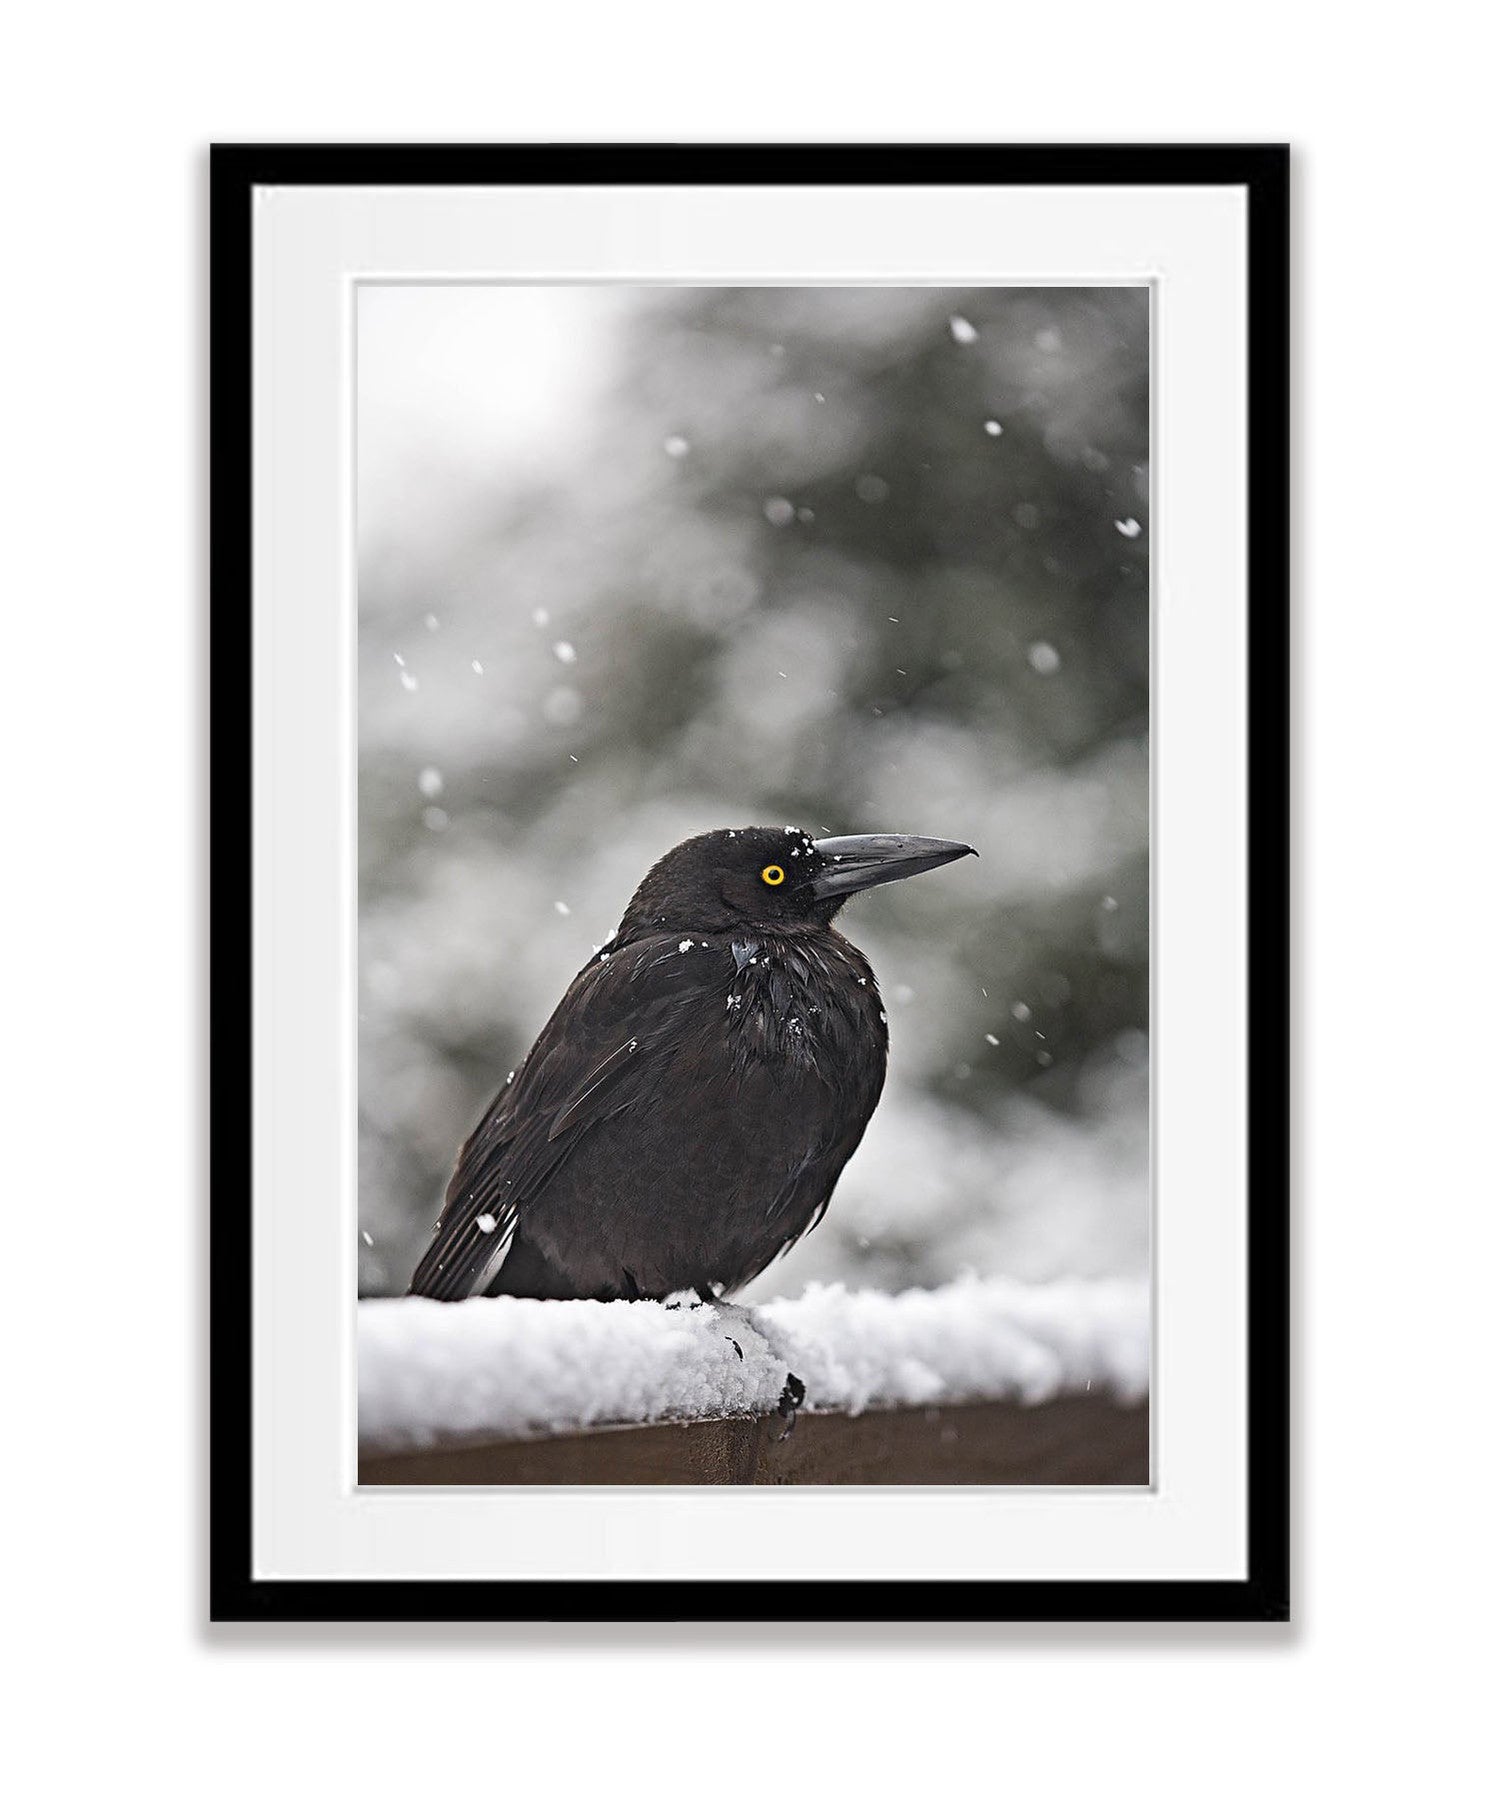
<point>1077,1439</point>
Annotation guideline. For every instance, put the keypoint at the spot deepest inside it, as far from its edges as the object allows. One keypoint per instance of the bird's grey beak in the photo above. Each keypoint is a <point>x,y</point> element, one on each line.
<point>853,863</point>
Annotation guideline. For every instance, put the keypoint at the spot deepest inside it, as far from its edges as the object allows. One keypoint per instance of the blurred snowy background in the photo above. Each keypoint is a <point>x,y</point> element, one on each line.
<point>636,563</point>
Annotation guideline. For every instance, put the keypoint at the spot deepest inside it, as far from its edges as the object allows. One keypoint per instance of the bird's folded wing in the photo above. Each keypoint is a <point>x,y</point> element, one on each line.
<point>599,1053</point>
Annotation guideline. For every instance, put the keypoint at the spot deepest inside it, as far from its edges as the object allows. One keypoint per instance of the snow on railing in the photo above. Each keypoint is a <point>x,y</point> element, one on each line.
<point>496,1368</point>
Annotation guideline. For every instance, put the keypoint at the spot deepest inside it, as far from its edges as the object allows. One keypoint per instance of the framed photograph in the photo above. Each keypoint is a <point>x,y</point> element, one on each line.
<point>750,867</point>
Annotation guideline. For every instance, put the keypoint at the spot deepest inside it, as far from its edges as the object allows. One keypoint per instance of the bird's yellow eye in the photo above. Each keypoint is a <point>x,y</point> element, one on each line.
<point>773,875</point>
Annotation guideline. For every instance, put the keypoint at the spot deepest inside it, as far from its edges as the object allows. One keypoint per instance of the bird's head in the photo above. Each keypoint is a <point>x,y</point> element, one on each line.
<point>771,875</point>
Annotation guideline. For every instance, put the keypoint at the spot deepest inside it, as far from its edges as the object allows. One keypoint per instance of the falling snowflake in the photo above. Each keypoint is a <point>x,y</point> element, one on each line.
<point>994,428</point>
<point>676,447</point>
<point>565,653</point>
<point>962,331</point>
<point>562,909</point>
<point>1043,658</point>
<point>779,510</point>
<point>430,782</point>
<point>1127,527</point>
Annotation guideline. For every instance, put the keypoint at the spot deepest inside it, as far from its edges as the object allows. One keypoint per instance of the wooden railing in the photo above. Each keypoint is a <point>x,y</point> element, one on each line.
<point>1076,1440</point>
<point>976,1383</point>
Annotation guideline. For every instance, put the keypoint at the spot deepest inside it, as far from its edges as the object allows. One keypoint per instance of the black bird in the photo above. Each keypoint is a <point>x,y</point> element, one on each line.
<point>686,1112</point>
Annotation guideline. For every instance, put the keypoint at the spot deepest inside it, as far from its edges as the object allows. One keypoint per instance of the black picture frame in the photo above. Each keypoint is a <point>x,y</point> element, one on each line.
<point>235,1593</point>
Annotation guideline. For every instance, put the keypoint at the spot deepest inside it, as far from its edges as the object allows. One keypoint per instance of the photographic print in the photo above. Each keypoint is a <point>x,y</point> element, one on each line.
<point>749,853</point>
<point>693,624</point>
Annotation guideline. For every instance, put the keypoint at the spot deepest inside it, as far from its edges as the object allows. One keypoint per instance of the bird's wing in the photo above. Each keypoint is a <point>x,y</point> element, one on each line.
<point>600,1053</point>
